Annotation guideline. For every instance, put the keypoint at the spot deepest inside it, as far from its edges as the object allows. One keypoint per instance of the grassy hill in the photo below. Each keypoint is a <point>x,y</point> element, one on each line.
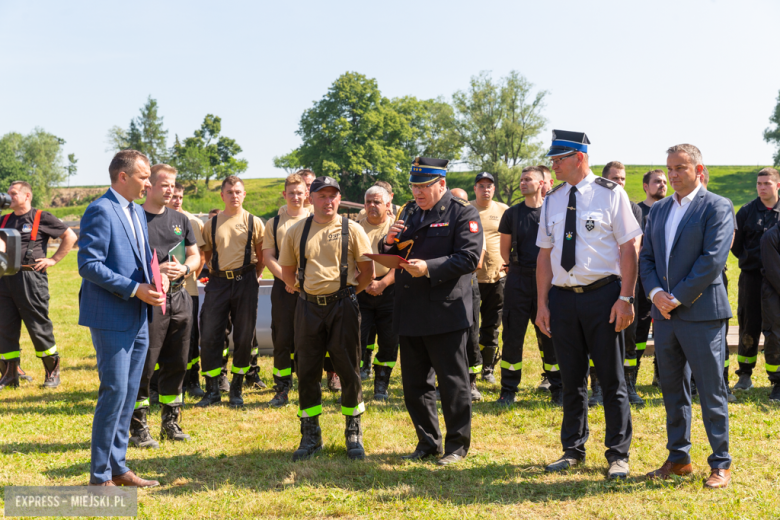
<point>264,195</point>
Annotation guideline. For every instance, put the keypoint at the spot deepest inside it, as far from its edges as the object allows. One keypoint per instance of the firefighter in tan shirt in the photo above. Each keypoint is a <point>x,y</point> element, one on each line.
<point>328,252</point>
<point>376,302</point>
<point>491,275</point>
<point>233,247</point>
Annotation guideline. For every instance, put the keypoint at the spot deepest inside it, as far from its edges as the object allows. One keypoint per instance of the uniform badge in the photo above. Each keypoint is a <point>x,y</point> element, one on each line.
<point>27,228</point>
<point>440,224</point>
<point>473,226</point>
<point>177,230</point>
<point>569,235</point>
<point>590,224</point>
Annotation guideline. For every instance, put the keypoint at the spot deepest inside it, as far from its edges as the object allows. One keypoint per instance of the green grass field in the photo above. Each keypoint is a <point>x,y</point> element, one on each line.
<point>238,463</point>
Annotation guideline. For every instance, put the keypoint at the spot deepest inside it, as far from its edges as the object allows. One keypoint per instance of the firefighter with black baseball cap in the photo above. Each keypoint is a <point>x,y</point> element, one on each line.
<point>328,251</point>
<point>25,295</point>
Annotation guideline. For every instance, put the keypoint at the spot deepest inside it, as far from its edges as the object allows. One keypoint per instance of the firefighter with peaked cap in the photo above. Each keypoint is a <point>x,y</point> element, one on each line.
<point>441,236</point>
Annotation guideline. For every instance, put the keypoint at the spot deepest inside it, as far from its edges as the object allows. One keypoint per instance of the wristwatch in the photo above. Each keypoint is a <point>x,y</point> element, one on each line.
<point>628,299</point>
<point>188,271</point>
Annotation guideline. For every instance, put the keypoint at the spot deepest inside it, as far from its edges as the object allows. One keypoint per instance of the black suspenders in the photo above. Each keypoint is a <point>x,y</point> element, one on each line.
<point>276,241</point>
<point>343,265</point>
<point>247,249</point>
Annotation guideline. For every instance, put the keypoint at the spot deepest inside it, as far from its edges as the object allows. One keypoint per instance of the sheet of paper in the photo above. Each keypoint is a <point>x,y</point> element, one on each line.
<point>390,261</point>
<point>157,276</point>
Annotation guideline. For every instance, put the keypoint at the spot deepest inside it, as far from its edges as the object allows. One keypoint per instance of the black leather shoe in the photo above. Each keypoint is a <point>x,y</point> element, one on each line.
<point>418,455</point>
<point>452,458</point>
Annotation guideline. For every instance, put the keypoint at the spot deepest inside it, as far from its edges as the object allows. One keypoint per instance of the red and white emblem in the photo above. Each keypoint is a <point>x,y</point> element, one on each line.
<point>473,226</point>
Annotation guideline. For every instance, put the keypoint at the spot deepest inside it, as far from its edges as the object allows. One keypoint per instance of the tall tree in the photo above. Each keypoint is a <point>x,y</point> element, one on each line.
<point>433,130</point>
<point>498,123</point>
<point>72,168</point>
<point>773,135</point>
<point>145,134</point>
<point>35,158</point>
<point>290,162</point>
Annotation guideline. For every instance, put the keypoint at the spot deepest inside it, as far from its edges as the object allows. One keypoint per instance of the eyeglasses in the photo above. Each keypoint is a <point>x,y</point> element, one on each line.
<point>413,187</point>
<point>557,160</point>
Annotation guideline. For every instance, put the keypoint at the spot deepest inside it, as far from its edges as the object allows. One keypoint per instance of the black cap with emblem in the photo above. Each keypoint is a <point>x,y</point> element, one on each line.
<point>484,175</point>
<point>565,142</point>
<point>324,182</point>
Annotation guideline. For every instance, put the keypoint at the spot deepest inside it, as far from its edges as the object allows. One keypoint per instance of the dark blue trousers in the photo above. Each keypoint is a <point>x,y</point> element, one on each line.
<point>120,361</point>
<point>698,347</point>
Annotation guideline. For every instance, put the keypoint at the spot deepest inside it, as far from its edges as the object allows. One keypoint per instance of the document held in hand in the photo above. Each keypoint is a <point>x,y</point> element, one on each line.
<point>390,261</point>
<point>157,276</point>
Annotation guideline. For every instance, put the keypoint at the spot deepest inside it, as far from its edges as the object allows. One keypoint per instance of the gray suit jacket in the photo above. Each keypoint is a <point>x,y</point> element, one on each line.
<point>698,254</point>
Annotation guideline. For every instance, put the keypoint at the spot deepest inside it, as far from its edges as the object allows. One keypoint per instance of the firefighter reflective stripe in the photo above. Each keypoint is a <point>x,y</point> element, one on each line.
<point>192,363</point>
<point>629,362</point>
<point>772,368</point>
<point>49,352</point>
<point>9,355</point>
<point>283,372</point>
<point>511,366</point>
<point>141,404</point>
<point>225,353</point>
<point>171,399</point>
<point>156,366</point>
<point>327,354</point>
<point>390,364</point>
<point>239,370</point>
<point>292,355</point>
<point>551,368</point>
<point>371,347</point>
<point>641,346</point>
<point>476,369</point>
<point>360,408</point>
<point>255,351</point>
<point>212,373</point>
<point>744,359</point>
<point>310,412</point>
<point>591,363</point>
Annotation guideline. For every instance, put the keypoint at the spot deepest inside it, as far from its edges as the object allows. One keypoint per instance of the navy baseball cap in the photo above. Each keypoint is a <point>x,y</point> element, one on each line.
<point>324,182</point>
<point>565,142</point>
<point>484,175</point>
<point>426,169</point>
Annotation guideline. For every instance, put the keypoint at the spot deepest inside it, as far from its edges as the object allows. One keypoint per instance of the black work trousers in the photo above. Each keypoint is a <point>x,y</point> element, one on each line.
<point>581,328</point>
<point>770,306</point>
<point>193,358</point>
<point>520,306</point>
<point>749,317</point>
<point>473,352</point>
<point>25,297</point>
<point>169,346</point>
<point>334,329</point>
<point>642,318</point>
<point>283,332</point>
<point>237,300</point>
<point>376,317</point>
<point>491,307</point>
<point>444,354</point>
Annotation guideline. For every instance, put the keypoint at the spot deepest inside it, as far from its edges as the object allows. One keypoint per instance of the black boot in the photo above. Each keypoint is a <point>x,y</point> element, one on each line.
<point>596,397</point>
<point>224,384</point>
<point>488,364</point>
<point>235,398</point>
<point>365,366</point>
<point>281,398</point>
<point>630,375</point>
<point>311,438</point>
<point>10,374</point>
<point>192,384</point>
<point>475,395</point>
<point>170,428</point>
<point>252,379</point>
<point>23,375</point>
<point>381,382</point>
<point>139,431</point>
<point>354,435</point>
<point>52,366</point>
<point>213,395</point>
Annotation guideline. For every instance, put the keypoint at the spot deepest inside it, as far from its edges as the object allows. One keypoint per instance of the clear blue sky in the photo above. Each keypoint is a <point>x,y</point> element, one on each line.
<point>637,77</point>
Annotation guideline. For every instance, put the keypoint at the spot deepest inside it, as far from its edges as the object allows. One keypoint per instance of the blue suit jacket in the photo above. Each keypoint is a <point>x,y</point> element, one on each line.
<point>110,266</point>
<point>698,256</point>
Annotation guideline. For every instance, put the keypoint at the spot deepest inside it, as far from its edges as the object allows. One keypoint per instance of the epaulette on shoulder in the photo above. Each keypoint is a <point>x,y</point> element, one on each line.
<point>460,201</point>
<point>601,181</point>
<point>555,188</point>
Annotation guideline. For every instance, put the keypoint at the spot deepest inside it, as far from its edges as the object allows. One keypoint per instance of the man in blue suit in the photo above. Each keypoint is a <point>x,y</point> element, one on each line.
<point>115,303</point>
<point>686,244</point>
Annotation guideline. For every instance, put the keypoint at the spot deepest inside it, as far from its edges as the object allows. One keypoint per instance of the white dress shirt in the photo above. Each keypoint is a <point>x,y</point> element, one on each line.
<point>605,221</point>
<point>128,209</point>
<point>676,214</point>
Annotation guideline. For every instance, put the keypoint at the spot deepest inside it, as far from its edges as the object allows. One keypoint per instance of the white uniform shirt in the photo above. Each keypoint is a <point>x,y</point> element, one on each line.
<point>607,212</point>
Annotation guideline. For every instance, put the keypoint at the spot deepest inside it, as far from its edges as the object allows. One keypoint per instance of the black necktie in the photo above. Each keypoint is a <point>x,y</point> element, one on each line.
<point>570,232</point>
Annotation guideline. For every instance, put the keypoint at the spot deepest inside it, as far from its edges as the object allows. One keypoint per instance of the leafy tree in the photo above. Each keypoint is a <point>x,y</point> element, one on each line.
<point>35,158</point>
<point>72,169</point>
<point>433,130</point>
<point>773,135</point>
<point>290,163</point>
<point>497,123</point>
<point>145,134</point>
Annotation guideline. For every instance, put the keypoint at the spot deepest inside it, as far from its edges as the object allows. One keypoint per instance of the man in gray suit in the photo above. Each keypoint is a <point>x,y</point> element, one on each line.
<point>686,244</point>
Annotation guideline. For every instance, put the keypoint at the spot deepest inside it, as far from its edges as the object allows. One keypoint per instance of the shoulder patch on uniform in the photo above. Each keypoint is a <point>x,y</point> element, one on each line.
<point>460,201</point>
<point>601,181</point>
<point>556,188</point>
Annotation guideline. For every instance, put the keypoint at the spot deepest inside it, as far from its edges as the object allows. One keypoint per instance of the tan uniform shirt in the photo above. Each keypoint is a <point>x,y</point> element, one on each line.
<point>375,234</point>
<point>231,239</point>
<point>323,253</point>
<point>491,217</point>
<point>307,207</point>
<point>285,223</point>
<point>191,283</point>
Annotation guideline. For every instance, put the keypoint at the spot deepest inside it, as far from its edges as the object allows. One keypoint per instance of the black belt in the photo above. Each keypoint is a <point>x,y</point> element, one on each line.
<point>26,268</point>
<point>579,289</point>
<point>176,288</point>
<point>522,270</point>
<point>235,274</point>
<point>328,298</point>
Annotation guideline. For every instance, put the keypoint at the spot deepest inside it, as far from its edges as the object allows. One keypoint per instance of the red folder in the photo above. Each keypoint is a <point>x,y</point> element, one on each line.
<point>390,261</point>
<point>156,276</point>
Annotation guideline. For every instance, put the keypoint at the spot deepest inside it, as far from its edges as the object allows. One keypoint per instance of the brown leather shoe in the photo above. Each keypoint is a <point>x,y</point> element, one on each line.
<point>131,479</point>
<point>106,483</point>
<point>719,478</point>
<point>671,468</point>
